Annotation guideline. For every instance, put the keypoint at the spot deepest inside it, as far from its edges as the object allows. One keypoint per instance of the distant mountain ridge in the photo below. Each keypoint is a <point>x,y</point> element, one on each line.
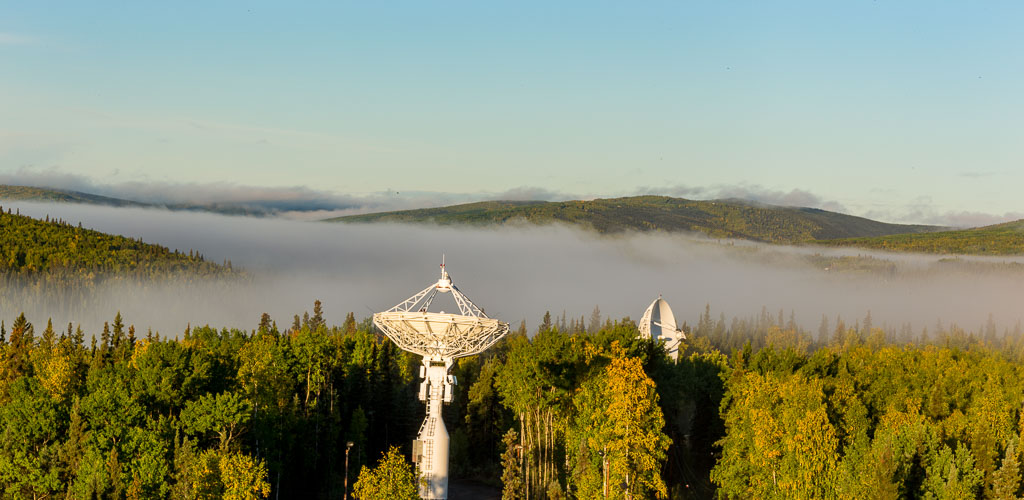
<point>252,208</point>
<point>32,193</point>
<point>715,218</point>
<point>729,218</point>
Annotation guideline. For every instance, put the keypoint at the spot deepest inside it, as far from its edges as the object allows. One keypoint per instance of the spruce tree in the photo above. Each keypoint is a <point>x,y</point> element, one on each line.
<point>80,337</point>
<point>595,320</point>
<point>49,336</point>
<point>545,324</point>
<point>349,326</point>
<point>21,332</point>
<point>118,330</point>
<point>105,338</point>
<point>511,476</point>
<point>264,327</point>
<point>318,316</point>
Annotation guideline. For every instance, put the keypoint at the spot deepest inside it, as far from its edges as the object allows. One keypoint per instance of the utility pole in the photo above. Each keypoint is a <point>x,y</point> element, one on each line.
<point>348,446</point>
<point>604,471</point>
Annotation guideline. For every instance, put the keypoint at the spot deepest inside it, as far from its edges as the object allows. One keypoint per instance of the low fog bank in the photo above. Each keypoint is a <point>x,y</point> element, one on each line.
<point>514,273</point>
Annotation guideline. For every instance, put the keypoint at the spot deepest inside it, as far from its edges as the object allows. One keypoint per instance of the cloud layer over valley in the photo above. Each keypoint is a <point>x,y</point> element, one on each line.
<point>514,273</point>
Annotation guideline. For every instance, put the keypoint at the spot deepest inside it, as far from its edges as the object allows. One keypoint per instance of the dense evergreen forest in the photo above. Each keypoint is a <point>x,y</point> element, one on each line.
<point>717,218</point>
<point>213,414</point>
<point>754,408</point>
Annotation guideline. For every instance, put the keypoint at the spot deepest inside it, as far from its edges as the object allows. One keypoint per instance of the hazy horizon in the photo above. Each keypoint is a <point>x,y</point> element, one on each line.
<point>307,204</point>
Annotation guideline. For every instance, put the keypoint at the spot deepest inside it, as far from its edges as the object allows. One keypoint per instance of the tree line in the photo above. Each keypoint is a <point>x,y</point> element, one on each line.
<point>754,408</point>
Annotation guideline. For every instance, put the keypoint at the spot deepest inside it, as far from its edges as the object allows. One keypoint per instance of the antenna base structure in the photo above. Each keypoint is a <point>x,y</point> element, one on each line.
<point>659,323</point>
<point>440,338</point>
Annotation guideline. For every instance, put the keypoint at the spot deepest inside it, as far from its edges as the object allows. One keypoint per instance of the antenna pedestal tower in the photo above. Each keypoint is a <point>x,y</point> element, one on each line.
<point>430,449</point>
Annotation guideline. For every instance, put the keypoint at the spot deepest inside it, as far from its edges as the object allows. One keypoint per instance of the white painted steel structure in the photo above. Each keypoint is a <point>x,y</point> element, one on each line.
<point>659,323</point>
<point>440,338</point>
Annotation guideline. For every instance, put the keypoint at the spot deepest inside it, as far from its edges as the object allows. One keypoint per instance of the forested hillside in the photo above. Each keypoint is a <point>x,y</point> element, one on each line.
<point>755,408</point>
<point>30,193</point>
<point>719,219</point>
<point>252,207</point>
<point>61,254</point>
<point>999,239</point>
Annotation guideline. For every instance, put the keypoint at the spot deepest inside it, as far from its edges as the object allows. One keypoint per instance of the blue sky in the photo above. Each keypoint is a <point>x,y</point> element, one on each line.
<point>905,111</point>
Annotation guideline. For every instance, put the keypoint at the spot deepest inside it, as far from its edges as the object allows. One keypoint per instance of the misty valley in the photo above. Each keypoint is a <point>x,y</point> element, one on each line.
<point>147,353</point>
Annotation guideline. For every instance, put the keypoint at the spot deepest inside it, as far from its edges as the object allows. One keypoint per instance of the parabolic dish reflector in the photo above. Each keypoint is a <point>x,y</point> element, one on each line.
<point>439,334</point>
<point>658,321</point>
<point>436,334</point>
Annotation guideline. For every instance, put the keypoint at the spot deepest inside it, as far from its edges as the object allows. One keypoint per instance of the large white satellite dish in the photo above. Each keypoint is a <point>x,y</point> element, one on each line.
<point>659,323</point>
<point>440,338</point>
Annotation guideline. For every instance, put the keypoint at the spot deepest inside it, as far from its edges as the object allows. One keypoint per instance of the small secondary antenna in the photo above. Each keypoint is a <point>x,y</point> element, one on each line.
<point>659,323</point>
